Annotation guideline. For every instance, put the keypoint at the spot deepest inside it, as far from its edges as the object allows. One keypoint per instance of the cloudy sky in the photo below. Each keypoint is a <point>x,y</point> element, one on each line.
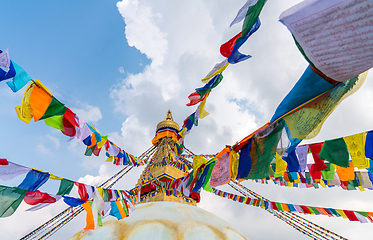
<point>121,65</point>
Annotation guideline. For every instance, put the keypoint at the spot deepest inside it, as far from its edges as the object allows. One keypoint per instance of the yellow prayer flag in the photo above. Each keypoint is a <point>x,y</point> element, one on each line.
<point>202,112</point>
<point>101,192</point>
<point>53,177</point>
<point>322,183</point>
<point>220,70</point>
<point>24,111</point>
<point>109,159</point>
<point>198,161</point>
<point>356,147</point>
<point>281,164</point>
<point>101,143</point>
<point>234,161</point>
<point>341,213</point>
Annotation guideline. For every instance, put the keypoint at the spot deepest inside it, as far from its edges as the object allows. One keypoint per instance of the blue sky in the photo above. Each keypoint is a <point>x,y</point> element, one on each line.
<point>123,81</point>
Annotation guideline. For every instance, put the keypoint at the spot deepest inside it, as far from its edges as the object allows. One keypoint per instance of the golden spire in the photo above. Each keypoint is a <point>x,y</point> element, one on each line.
<point>168,122</point>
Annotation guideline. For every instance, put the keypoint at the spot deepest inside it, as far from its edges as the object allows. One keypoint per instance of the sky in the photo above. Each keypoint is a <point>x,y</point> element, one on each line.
<point>121,65</point>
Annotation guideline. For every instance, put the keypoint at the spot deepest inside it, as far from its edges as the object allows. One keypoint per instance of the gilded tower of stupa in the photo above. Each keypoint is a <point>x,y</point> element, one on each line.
<point>159,168</point>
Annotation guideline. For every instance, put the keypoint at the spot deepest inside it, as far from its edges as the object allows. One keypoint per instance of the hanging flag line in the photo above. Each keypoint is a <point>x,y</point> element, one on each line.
<point>44,231</point>
<point>329,166</point>
<point>11,197</point>
<point>305,224</point>
<point>39,103</point>
<point>250,14</point>
<point>351,215</point>
<point>36,178</point>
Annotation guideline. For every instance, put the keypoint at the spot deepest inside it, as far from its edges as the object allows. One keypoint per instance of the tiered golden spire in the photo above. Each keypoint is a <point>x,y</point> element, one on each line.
<point>157,170</point>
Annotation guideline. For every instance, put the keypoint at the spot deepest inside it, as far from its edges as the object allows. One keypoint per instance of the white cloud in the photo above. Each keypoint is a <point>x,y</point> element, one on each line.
<point>121,70</point>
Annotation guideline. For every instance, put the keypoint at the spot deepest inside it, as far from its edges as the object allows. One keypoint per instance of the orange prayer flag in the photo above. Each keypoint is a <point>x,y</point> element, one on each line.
<point>121,210</point>
<point>89,219</point>
<point>39,101</point>
<point>346,174</point>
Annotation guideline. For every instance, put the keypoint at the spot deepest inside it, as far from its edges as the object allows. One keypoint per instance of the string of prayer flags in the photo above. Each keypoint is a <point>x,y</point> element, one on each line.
<point>40,104</point>
<point>250,12</point>
<point>17,76</point>
<point>362,216</point>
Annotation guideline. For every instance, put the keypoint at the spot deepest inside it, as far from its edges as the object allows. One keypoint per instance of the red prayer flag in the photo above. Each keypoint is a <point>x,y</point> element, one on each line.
<point>315,150</point>
<point>82,191</point>
<point>36,197</point>
<point>69,123</point>
<point>195,98</point>
<point>305,209</point>
<point>3,161</point>
<point>351,215</point>
<point>315,174</point>
<point>227,47</point>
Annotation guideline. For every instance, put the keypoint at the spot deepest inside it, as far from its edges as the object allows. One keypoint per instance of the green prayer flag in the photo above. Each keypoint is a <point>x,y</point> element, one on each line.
<point>203,91</point>
<point>106,195</point>
<point>315,185</point>
<point>263,150</point>
<point>365,214</point>
<point>55,122</point>
<point>124,206</point>
<point>329,172</point>
<point>10,198</point>
<point>206,185</point>
<point>190,180</point>
<point>351,185</point>
<point>335,151</point>
<point>251,15</point>
<point>89,151</point>
<point>65,187</point>
<point>314,210</point>
<point>308,177</point>
<point>334,212</point>
<point>55,108</point>
<point>279,206</point>
<point>99,220</point>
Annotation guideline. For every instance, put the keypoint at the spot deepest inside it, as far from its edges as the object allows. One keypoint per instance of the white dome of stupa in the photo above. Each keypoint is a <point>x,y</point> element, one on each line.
<point>165,221</point>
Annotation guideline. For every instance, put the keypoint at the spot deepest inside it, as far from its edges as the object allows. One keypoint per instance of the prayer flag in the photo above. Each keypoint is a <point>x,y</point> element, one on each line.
<point>12,170</point>
<point>10,198</point>
<point>34,180</point>
<point>73,202</point>
<point>346,174</point>
<point>335,35</point>
<point>356,147</point>
<point>55,108</point>
<point>65,187</point>
<point>20,79</point>
<point>89,219</point>
<point>335,151</point>
<point>36,197</point>
<point>39,101</point>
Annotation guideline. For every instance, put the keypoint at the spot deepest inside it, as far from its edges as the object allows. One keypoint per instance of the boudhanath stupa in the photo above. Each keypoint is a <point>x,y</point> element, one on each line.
<point>158,215</point>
